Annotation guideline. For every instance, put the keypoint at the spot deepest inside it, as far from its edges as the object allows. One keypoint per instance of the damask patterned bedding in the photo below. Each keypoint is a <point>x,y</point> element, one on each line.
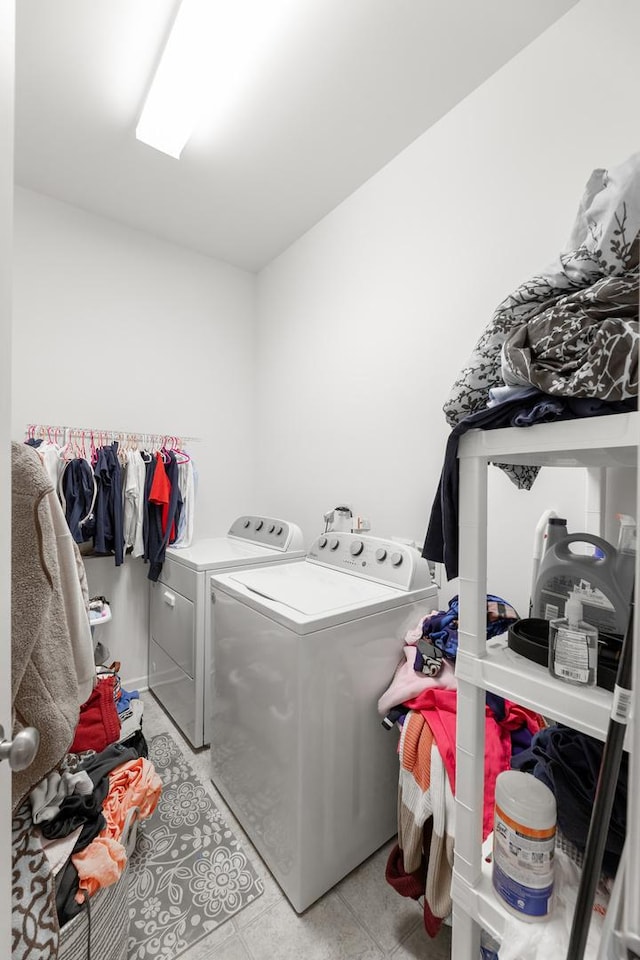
<point>572,330</point>
<point>585,345</point>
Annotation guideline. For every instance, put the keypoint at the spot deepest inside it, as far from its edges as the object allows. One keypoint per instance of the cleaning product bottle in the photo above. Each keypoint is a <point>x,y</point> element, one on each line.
<point>539,546</point>
<point>592,577</point>
<point>524,837</point>
<point>573,646</point>
<point>555,532</point>
<point>626,560</point>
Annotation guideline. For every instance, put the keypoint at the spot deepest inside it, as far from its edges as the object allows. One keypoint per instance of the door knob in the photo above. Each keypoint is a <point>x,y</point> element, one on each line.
<point>21,751</point>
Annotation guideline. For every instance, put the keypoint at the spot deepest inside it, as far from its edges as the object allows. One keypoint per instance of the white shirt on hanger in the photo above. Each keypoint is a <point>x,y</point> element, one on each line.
<point>186,482</point>
<point>134,502</point>
<point>50,454</point>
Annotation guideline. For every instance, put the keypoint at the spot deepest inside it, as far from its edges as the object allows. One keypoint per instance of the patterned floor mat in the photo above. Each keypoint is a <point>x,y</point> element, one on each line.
<point>188,872</point>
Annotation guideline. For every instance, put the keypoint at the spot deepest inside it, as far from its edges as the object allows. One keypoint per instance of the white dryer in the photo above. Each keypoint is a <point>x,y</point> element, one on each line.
<point>301,654</point>
<point>179,661</point>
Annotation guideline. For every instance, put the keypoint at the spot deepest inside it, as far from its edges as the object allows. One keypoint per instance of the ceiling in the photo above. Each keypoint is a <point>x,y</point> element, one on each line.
<point>347,85</point>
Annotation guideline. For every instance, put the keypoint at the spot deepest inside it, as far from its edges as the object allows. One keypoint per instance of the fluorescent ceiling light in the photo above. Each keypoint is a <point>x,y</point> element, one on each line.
<point>214,45</point>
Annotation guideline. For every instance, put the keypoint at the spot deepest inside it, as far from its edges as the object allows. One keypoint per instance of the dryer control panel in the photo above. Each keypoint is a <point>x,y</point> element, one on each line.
<point>385,561</point>
<point>267,531</point>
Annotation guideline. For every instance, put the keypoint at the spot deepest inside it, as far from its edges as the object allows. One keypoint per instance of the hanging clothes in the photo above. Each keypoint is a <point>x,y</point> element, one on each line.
<point>160,493</point>
<point>147,534</point>
<point>50,454</point>
<point>134,483</point>
<point>108,537</point>
<point>187,484</point>
<point>78,491</point>
<point>105,494</point>
<point>164,509</point>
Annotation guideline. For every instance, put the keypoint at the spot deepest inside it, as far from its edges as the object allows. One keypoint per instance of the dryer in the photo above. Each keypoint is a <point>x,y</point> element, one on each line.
<point>179,657</point>
<point>301,653</point>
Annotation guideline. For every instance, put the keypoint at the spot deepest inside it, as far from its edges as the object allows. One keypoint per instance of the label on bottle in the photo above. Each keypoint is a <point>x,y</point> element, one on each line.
<point>597,609</point>
<point>523,864</point>
<point>571,655</point>
<point>621,707</point>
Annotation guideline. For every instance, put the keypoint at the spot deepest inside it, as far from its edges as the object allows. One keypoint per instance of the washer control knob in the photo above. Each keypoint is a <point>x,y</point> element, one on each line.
<point>334,544</point>
<point>272,528</point>
<point>247,523</point>
<point>396,559</point>
<point>259,524</point>
<point>356,548</point>
<point>322,542</point>
<point>381,554</point>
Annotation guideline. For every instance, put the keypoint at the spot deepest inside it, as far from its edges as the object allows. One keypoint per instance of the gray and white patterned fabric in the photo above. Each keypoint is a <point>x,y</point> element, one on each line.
<point>585,300</point>
<point>585,345</point>
<point>34,922</point>
<point>189,873</point>
<point>109,926</point>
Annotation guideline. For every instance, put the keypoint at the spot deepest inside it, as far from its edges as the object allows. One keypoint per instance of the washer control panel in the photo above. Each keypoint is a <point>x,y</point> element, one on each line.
<point>267,531</point>
<point>386,561</point>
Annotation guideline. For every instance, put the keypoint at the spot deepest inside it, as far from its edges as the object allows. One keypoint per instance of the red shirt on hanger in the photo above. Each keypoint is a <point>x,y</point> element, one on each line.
<point>161,493</point>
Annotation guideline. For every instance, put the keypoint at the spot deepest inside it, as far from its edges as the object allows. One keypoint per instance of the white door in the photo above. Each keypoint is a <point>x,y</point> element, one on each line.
<point>7,36</point>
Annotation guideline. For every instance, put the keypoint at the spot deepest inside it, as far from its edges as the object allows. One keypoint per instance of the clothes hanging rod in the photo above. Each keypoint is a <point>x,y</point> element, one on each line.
<point>34,429</point>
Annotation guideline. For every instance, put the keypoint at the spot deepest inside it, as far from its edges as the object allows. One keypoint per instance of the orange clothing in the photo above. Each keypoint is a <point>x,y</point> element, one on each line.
<point>132,784</point>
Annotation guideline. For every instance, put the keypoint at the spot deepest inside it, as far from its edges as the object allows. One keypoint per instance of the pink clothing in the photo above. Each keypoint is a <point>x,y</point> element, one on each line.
<point>415,633</point>
<point>438,707</point>
<point>407,683</point>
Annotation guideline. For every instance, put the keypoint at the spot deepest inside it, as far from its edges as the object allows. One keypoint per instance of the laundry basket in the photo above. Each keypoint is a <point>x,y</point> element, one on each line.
<point>109,914</point>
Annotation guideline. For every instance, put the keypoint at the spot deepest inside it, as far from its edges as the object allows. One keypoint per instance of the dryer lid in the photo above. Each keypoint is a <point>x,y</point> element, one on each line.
<point>313,590</point>
<point>220,552</point>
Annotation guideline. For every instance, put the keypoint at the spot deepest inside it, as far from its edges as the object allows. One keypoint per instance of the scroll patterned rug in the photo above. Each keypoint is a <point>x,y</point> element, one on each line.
<point>188,871</point>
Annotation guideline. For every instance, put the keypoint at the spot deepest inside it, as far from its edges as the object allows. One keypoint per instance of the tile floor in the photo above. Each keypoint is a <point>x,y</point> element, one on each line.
<point>362,918</point>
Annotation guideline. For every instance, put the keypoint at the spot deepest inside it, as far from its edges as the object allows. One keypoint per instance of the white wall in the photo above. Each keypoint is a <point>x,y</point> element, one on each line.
<point>114,329</point>
<point>365,322</point>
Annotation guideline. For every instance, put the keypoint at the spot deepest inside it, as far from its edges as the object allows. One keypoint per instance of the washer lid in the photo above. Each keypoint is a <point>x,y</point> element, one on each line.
<point>306,596</point>
<point>221,552</point>
<point>312,589</point>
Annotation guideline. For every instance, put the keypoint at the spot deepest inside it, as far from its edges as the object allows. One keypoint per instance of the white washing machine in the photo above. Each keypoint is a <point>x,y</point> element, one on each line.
<point>301,654</point>
<point>179,655</point>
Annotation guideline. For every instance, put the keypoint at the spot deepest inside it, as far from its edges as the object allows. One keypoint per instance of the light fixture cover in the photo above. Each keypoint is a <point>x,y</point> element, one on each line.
<point>213,48</point>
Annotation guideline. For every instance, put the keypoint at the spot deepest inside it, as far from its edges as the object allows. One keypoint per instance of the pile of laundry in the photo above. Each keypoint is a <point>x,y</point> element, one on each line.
<point>70,834</point>
<point>422,701</point>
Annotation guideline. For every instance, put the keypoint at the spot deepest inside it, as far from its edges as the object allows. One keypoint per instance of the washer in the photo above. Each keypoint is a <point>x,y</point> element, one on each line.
<point>179,660</point>
<point>301,654</point>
